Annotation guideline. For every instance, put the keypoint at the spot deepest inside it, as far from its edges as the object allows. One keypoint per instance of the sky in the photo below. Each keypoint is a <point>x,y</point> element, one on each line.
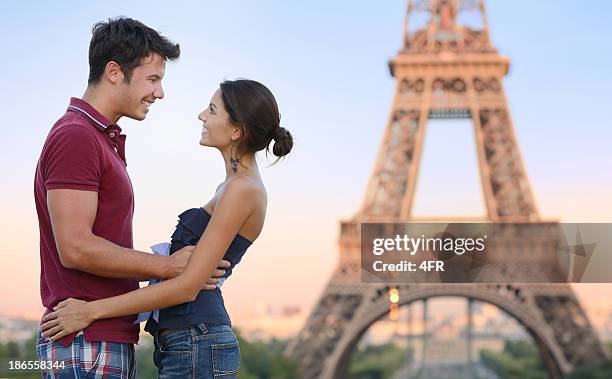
<point>326,63</point>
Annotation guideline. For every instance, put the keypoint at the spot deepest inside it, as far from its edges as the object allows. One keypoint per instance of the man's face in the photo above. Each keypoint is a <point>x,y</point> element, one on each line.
<point>144,87</point>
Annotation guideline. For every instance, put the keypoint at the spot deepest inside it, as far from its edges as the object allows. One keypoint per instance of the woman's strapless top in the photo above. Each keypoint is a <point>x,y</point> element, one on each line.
<point>208,307</point>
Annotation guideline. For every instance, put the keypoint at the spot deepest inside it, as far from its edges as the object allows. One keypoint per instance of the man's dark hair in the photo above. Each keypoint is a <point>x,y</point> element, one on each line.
<point>126,42</point>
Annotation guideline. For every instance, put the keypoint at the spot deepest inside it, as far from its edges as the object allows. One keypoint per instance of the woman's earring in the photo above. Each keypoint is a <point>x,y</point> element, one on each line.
<point>234,162</point>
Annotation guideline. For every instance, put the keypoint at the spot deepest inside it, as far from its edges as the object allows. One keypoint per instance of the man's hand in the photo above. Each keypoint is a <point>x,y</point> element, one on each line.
<point>179,260</point>
<point>69,316</point>
<point>217,274</point>
<point>73,213</point>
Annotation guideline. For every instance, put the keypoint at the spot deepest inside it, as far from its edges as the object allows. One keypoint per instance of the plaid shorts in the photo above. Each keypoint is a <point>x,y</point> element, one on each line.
<point>83,359</point>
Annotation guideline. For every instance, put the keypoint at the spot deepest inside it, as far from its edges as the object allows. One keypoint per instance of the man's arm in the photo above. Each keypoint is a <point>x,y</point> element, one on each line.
<point>73,213</point>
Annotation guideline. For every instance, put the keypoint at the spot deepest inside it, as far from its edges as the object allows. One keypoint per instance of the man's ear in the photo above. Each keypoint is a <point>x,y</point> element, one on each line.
<point>113,72</point>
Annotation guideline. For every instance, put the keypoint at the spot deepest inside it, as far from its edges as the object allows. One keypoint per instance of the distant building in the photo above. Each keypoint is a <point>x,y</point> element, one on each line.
<point>16,329</point>
<point>268,322</point>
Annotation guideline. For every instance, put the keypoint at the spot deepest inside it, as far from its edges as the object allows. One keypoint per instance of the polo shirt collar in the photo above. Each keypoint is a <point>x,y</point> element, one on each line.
<point>113,131</point>
<point>96,118</point>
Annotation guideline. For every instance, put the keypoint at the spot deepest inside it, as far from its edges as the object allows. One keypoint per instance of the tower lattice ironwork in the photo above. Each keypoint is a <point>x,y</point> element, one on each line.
<point>446,68</point>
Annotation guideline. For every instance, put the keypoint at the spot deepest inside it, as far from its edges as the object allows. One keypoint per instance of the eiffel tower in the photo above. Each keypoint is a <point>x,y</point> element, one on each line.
<point>445,69</point>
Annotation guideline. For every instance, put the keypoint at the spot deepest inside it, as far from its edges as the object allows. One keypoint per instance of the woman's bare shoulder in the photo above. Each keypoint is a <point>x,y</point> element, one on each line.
<point>245,184</point>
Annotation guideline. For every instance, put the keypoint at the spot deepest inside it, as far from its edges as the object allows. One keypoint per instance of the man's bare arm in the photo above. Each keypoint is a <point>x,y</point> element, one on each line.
<point>73,213</point>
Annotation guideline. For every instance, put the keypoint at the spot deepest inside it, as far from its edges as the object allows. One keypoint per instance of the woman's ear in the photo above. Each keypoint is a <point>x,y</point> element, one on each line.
<point>236,133</point>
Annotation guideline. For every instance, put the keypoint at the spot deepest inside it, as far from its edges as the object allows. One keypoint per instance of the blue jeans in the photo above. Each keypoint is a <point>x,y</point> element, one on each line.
<point>199,352</point>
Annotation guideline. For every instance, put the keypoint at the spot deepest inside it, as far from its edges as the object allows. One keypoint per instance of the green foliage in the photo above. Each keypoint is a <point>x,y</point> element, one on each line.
<point>601,370</point>
<point>378,362</point>
<point>521,360</point>
<point>25,351</point>
<point>518,360</point>
<point>264,360</point>
<point>145,368</point>
<point>259,360</point>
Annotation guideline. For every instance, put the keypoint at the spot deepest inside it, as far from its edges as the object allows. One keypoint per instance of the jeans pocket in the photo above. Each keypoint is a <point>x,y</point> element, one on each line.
<point>174,353</point>
<point>176,341</point>
<point>225,359</point>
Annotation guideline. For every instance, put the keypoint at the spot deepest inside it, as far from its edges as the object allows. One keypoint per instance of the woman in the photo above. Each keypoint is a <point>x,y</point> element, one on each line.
<point>193,335</point>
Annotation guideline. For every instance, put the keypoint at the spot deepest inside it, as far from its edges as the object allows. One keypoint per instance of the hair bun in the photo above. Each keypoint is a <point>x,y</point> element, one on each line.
<point>280,133</point>
<point>283,142</point>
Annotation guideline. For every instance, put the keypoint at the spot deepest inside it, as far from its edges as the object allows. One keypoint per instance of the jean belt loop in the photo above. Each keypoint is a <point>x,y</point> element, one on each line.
<point>202,327</point>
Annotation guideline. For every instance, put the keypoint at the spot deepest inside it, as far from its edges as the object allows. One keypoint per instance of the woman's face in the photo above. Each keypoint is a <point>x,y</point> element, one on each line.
<point>217,129</point>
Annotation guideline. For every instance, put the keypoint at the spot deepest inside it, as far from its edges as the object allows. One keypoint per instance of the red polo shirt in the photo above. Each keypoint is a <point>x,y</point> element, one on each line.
<point>85,151</point>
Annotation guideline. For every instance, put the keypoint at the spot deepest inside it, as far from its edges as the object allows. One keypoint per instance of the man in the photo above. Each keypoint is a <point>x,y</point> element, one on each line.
<point>84,200</point>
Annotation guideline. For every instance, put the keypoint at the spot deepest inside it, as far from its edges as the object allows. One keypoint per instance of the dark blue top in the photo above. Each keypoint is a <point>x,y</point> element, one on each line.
<point>208,307</point>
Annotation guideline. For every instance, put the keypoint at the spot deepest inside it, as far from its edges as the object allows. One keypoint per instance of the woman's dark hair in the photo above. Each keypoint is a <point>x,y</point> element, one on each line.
<point>252,107</point>
<point>127,42</point>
